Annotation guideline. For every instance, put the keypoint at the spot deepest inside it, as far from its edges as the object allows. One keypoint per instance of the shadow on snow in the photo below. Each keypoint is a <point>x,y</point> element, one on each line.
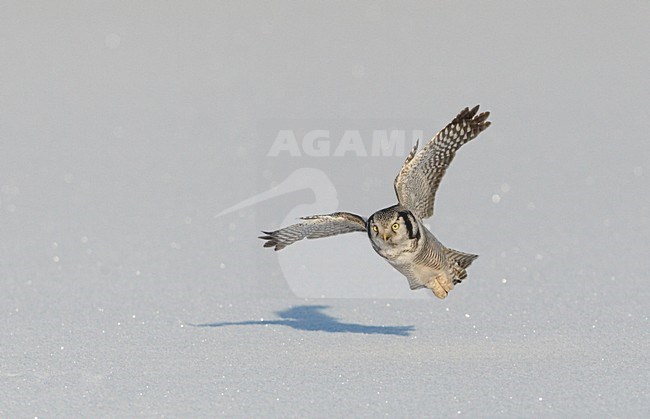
<point>312,318</point>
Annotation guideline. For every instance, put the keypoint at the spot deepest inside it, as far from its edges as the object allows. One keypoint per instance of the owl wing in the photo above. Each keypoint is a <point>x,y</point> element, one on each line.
<point>314,227</point>
<point>418,180</point>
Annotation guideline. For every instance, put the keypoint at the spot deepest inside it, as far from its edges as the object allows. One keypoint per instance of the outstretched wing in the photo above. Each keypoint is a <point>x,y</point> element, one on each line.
<point>418,180</point>
<point>314,227</point>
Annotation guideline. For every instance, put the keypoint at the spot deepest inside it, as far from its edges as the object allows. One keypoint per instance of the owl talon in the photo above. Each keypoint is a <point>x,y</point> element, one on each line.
<point>438,290</point>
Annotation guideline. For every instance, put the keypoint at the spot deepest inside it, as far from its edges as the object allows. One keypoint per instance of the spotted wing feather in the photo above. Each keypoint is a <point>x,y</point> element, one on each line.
<point>314,227</point>
<point>418,180</point>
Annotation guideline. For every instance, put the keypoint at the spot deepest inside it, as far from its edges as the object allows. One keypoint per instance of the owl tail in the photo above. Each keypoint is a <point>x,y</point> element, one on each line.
<point>459,262</point>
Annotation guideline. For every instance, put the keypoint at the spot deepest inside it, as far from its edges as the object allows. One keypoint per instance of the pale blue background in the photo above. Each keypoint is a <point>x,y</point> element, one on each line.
<point>125,127</point>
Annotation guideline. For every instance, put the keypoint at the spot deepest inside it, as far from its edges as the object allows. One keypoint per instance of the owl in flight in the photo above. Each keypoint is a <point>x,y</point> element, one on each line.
<point>397,233</point>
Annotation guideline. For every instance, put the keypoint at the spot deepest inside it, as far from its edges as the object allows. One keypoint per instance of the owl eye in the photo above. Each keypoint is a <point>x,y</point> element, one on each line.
<point>395,227</point>
<point>375,229</point>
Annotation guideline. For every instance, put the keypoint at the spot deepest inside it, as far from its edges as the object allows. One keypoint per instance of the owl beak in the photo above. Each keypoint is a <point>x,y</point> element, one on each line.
<point>385,237</point>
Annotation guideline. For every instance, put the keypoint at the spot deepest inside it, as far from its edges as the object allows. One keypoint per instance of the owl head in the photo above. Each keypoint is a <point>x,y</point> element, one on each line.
<point>392,226</point>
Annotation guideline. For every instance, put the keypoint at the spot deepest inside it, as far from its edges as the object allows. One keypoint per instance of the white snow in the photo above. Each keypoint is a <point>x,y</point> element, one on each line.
<point>123,131</point>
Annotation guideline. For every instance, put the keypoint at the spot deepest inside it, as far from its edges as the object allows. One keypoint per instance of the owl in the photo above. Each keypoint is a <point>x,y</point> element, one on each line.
<point>397,233</point>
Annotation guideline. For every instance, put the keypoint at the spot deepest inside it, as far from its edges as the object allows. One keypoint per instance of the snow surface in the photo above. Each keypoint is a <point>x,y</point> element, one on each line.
<point>126,131</point>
